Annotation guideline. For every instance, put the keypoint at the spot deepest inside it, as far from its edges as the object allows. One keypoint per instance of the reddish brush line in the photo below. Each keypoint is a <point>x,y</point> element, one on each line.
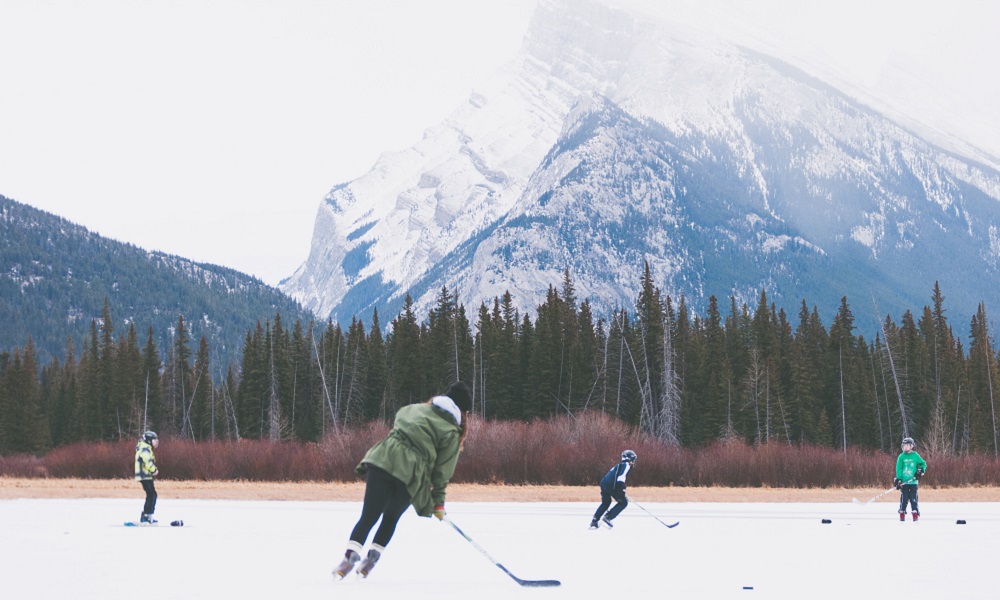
<point>561,451</point>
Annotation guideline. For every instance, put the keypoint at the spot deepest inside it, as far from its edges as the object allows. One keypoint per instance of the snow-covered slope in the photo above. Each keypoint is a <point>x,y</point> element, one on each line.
<point>616,137</point>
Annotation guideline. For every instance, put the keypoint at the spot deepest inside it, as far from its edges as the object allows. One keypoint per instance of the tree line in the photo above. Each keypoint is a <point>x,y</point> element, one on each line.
<point>743,372</point>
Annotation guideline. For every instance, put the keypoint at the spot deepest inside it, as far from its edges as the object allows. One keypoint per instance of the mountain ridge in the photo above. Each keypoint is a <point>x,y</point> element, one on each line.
<point>801,185</point>
<point>55,276</point>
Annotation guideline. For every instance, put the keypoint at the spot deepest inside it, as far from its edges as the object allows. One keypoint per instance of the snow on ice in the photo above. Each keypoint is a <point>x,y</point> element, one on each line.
<point>255,549</point>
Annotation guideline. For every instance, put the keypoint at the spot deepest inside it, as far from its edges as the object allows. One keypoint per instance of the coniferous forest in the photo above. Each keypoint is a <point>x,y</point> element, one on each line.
<point>737,372</point>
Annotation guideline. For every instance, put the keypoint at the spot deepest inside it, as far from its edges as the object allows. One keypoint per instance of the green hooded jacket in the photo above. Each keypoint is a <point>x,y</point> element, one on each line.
<point>421,451</point>
<point>907,465</point>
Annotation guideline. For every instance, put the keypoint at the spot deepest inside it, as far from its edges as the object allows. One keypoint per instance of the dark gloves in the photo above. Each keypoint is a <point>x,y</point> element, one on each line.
<point>897,482</point>
<point>919,473</point>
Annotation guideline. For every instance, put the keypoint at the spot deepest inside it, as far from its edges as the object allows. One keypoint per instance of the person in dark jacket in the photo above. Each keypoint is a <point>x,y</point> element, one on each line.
<point>613,487</point>
<point>411,465</point>
<point>145,471</point>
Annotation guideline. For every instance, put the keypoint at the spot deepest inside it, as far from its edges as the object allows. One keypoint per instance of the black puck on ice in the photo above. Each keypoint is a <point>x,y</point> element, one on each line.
<point>177,523</point>
<point>827,521</point>
<point>748,587</point>
<point>960,522</point>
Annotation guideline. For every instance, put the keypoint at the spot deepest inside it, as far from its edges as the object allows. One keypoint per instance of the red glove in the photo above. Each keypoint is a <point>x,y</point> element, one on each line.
<point>439,512</point>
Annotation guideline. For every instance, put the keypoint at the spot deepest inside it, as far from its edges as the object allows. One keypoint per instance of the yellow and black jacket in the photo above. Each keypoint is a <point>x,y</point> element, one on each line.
<point>145,462</point>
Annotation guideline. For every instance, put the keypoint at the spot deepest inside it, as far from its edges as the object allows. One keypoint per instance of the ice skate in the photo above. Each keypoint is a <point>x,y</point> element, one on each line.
<point>147,520</point>
<point>594,523</point>
<point>368,563</point>
<point>916,516</point>
<point>606,521</point>
<point>351,558</point>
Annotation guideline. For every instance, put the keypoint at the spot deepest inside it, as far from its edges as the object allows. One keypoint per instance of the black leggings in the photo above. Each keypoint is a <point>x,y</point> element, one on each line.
<point>385,497</point>
<point>150,489</point>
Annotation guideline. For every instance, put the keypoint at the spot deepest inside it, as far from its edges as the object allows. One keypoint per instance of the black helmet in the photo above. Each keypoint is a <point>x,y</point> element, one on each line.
<point>908,440</point>
<point>149,436</point>
<point>629,456</point>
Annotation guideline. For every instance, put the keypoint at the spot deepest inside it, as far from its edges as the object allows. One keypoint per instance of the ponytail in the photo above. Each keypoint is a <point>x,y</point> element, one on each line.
<point>464,429</point>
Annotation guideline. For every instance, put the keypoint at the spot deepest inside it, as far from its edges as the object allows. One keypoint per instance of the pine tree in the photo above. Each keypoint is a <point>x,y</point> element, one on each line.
<point>88,416</point>
<point>128,385</point>
<point>983,379</point>
<point>251,397</point>
<point>307,396</point>
<point>111,401</point>
<point>649,352</point>
<point>486,339</point>
<point>376,384</point>
<point>355,373</point>
<point>407,371</point>
<point>444,332</point>
<point>202,415</point>
<point>152,397</point>
<point>549,356</point>
<point>60,397</point>
<point>178,381</point>
<point>808,355</point>
<point>25,429</point>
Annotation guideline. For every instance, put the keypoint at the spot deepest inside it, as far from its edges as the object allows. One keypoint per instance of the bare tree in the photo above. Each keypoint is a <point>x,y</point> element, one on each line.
<point>753,383</point>
<point>669,421</point>
<point>895,378</point>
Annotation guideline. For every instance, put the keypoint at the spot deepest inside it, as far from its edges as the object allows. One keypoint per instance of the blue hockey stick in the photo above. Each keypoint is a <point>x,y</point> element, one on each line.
<point>524,582</point>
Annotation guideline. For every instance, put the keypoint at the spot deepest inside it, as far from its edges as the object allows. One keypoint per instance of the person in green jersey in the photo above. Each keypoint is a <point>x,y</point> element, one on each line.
<point>910,467</point>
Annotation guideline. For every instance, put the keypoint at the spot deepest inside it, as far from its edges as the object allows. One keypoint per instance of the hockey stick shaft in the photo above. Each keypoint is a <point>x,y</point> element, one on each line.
<point>668,526</point>
<point>524,582</point>
<point>880,494</point>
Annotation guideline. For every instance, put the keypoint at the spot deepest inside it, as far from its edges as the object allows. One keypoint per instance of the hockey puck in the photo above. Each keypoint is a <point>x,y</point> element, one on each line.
<point>177,523</point>
<point>827,521</point>
<point>748,587</point>
<point>960,522</point>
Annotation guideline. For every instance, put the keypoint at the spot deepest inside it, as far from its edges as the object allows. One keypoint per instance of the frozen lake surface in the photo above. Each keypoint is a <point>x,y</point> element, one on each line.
<point>78,549</point>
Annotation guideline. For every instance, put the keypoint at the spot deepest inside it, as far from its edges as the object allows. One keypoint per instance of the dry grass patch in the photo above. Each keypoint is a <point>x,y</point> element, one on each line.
<point>13,487</point>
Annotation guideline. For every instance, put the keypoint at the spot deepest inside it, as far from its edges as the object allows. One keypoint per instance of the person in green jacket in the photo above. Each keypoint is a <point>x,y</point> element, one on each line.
<point>910,467</point>
<point>411,465</point>
<point>145,471</point>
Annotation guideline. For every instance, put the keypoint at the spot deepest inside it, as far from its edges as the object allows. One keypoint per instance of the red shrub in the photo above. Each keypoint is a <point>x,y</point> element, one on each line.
<point>22,465</point>
<point>567,450</point>
<point>89,460</point>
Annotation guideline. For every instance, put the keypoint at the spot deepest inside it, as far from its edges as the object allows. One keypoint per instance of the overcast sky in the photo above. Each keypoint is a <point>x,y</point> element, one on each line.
<point>212,129</point>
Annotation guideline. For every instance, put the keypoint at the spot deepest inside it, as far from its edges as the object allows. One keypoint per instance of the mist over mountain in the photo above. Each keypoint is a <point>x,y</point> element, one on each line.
<point>616,138</point>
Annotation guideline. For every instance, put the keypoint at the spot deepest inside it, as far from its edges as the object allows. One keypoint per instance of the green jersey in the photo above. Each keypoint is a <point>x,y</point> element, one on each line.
<point>907,465</point>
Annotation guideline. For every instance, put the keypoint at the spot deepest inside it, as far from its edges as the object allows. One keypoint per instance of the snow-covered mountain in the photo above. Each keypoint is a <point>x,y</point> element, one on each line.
<point>616,137</point>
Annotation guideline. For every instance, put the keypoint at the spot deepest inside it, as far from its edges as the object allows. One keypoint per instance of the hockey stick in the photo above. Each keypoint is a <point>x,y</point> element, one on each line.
<point>523,582</point>
<point>670,526</point>
<point>877,496</point>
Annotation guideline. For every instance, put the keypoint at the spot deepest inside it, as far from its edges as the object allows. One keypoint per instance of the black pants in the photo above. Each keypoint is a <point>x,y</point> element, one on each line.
<point>385,497</point>
<point>150,489</point>
<point>908,493</point>
<point>606,498</point>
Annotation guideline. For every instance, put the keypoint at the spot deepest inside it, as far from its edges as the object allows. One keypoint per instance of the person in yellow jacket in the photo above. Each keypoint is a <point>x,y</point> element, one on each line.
<point>411,465</point>
<point>145,471</point>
